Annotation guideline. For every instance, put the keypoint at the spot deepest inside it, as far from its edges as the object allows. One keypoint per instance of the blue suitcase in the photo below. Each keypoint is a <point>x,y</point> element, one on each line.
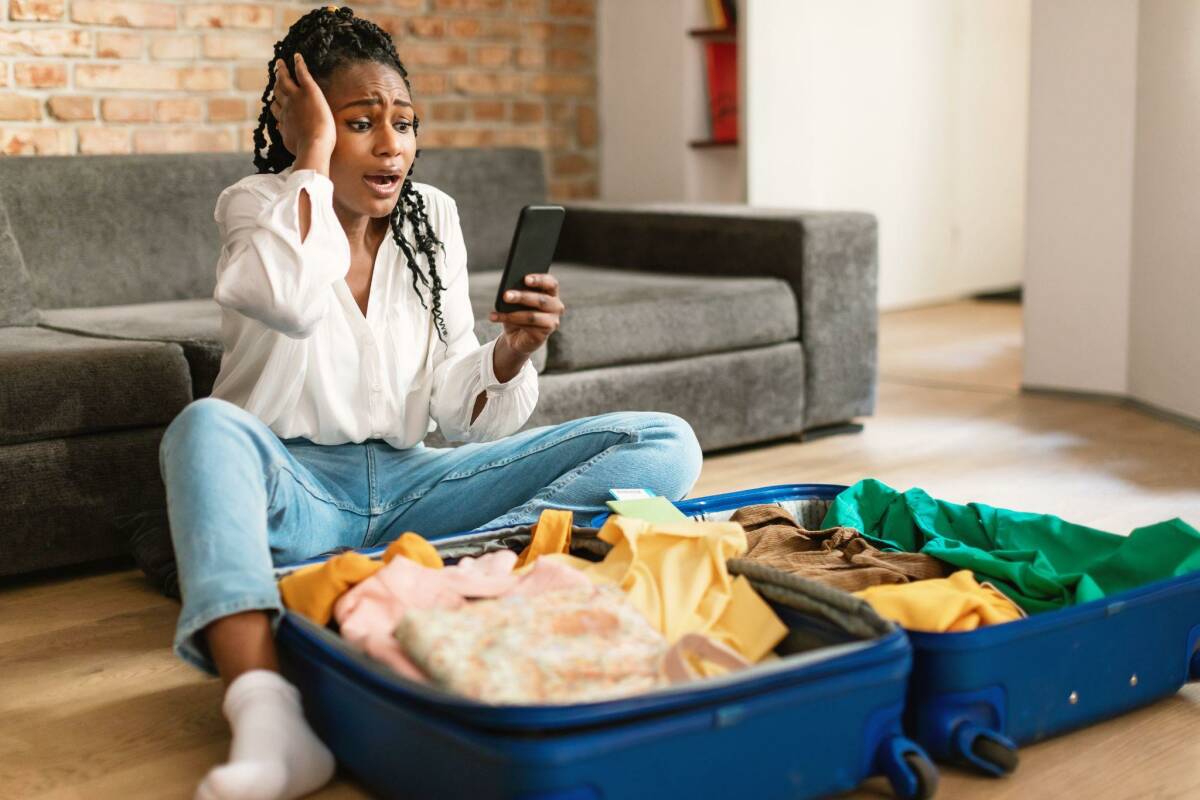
<point>814,722</point>
<point>975,696</point>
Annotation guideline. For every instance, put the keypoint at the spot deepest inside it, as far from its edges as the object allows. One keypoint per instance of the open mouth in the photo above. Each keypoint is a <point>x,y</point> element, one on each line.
<point>382,184</point>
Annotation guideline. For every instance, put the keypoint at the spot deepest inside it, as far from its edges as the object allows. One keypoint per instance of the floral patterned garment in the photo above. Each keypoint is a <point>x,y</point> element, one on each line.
<point>569,646</point>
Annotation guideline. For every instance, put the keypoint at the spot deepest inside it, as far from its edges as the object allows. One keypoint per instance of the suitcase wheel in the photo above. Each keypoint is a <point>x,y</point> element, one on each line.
<point>988,751</point>
<point>926,775</point>
<point>910,772</point>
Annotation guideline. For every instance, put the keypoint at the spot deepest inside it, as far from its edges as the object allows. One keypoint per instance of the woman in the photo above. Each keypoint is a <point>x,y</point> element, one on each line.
<point>348,337</point>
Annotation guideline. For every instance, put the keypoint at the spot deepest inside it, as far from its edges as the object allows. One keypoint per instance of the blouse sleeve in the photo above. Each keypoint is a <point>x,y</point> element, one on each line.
<point>265,271</point>
<point>463,368</point>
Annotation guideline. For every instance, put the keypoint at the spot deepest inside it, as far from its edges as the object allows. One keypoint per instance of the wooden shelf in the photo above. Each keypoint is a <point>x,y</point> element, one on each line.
<point>729,34</point>
<point>707,143</point>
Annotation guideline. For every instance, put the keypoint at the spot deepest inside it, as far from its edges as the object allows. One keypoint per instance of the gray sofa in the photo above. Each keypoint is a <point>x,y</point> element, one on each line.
<point>752,324</point>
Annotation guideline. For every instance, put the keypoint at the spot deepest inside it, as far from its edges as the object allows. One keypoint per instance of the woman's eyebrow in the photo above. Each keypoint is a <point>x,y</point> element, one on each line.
<point>374,101</point>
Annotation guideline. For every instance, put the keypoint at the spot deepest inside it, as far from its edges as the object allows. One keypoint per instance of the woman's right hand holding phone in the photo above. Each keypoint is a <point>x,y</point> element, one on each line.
<point>305,120</point>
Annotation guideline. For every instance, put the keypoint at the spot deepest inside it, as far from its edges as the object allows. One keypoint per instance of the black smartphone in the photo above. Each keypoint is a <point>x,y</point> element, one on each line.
<point>532,250</point>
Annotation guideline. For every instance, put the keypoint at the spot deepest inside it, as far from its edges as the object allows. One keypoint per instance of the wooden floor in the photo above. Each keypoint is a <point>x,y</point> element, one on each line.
<point>93,705</point>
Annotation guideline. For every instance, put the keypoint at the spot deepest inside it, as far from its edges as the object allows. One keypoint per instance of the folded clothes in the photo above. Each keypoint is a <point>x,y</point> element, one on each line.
<point>675,574</point>
<point>546,626</point>
<point>579,645</point>
<point>551,534</point>
<point>679,664</point>
<point>369,613</point>
<point>839,557</point>
<point>1040,561</point>
<point>942,605</point>
<point>414,548</point>
<point>313,590</point>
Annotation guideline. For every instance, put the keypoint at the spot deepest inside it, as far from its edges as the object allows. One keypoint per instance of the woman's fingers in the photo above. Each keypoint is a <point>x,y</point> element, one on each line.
<point>538,300</point>
<point>303,78</point>
<point>529,319</point>
<point>283,82</point>
<point>543,281</point>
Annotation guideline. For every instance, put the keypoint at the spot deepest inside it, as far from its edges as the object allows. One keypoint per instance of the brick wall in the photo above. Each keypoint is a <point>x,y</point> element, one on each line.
<point>113,76</point>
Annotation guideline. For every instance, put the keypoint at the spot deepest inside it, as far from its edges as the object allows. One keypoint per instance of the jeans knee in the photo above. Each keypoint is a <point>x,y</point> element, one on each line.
<point>688,454</point>
<point>677,452</point>
<point>197,422</point>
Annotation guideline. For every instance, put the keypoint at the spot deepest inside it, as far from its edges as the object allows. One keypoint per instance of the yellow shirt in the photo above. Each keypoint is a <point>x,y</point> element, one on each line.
<point>675,574</point>
<point>942,605</point>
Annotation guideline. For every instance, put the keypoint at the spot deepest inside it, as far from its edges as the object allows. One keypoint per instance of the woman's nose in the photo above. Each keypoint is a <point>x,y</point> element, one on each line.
<point>389,142</point>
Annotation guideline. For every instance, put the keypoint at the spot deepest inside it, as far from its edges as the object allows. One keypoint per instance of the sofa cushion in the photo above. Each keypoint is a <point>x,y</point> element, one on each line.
<point>59,384</point>
<point>622,317</point>
<point>699,389</point>
<point>104,230</point>
<point>16,302</point>
<point>99,230</point>
<point>64,500</point>
<point>195,325</point>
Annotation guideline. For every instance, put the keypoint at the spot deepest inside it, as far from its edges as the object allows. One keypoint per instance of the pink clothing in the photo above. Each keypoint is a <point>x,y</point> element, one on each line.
<point>369,613</point>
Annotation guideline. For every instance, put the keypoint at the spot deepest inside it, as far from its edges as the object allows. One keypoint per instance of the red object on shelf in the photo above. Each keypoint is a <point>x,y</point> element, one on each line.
<point>722,89</point>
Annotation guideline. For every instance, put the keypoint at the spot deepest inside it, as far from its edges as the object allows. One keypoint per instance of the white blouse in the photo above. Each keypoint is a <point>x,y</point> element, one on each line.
<point>300,355</point>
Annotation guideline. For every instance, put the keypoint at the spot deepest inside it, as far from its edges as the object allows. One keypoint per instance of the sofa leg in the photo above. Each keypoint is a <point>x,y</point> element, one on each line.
<point>830,430</point>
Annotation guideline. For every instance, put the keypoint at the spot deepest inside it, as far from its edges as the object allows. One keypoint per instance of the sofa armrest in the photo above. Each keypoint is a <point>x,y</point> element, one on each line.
<point>830,259</point>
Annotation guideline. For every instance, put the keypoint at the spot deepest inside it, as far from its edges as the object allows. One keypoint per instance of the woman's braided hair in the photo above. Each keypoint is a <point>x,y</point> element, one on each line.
<point>329,38</point>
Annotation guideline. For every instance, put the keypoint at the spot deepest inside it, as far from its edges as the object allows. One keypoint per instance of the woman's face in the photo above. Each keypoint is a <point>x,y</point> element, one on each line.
<point>376,143</point>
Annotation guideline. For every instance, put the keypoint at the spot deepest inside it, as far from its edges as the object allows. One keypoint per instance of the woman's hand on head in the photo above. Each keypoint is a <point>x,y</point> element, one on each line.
<point>304,117</point>
<point>526,331</point>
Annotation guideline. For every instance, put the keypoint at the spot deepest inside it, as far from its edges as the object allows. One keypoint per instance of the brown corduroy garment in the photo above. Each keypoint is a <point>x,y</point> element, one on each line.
<point>839,557</point>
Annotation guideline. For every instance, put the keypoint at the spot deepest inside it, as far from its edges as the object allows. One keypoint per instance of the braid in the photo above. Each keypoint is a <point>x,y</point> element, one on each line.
<point>330,38</point>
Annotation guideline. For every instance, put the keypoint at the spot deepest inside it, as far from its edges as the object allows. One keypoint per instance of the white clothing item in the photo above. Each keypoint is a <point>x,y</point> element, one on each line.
<point>300,355</point>
<point>274,755</point>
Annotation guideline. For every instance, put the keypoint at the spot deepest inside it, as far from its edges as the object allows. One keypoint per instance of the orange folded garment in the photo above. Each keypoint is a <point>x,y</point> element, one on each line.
<point>414,548</point>
<point>313,590</point>
<point>551,534</point>
<point>942,605</point>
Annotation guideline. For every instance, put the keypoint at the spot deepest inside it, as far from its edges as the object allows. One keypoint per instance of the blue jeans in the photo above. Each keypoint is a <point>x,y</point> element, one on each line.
<point>241,500</point>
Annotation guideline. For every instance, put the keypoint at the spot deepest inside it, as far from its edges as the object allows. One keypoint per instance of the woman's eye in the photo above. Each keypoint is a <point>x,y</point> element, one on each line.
<point>362,125</point>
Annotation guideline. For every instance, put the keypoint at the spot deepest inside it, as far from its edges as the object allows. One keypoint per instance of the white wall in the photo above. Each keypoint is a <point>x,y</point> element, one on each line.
<point>1112,286</point>
<point>1083,81</point>
<point>652,102</point>
<point>1164,340</point>
<point>915,111</point>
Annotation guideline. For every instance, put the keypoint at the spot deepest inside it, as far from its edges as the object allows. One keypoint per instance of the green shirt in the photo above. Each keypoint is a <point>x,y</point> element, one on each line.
<point>1040,561</point>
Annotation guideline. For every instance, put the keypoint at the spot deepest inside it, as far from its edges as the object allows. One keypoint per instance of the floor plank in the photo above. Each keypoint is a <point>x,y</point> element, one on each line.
<point>93,704</point>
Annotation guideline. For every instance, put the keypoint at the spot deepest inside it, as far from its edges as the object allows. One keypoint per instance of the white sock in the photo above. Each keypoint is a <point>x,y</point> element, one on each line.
<point>274,755</point>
